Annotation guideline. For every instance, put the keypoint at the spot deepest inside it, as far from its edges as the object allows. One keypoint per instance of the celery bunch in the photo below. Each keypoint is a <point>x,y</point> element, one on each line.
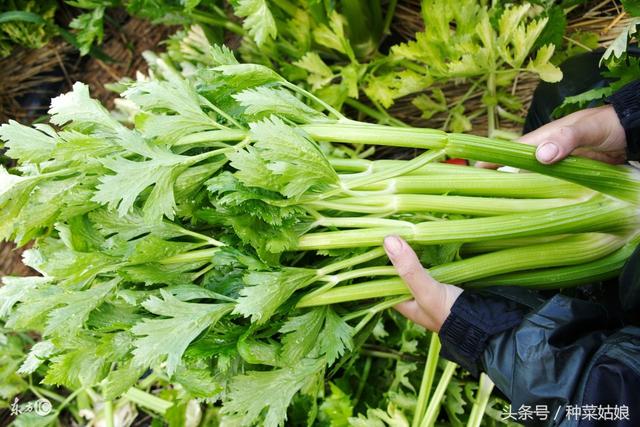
<point>229,239</point>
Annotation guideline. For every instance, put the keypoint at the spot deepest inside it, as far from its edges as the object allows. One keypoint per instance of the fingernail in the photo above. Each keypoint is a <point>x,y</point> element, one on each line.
<point>393,245</point>
<point>547,152</point>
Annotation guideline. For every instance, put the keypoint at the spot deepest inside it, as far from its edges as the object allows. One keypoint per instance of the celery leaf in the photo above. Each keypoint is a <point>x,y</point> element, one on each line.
<point>169,337</point>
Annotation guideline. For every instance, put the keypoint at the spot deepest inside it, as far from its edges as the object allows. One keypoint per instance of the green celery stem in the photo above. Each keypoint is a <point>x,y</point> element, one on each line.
<point>428,376</point>
<point>619,181</point>
<point>434,404</point>
<point>501,184</point>
<point>598,214</point>
<point>365,133</point>
<point>475,206</point>
<point>482,399</point>
<point>561,277</point>
<point>148,401</point>
<point>573,250</point>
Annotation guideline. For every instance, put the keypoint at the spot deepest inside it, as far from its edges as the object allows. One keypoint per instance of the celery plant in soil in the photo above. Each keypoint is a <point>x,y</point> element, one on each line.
<point>225,242</point>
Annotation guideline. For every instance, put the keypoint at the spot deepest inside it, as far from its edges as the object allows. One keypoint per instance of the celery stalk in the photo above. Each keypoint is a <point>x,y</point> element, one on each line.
<point>572,251</point>
<point>607,267</point>
<point>475,206</point>
<point>619,181</point>
<point>516,185</point>
<point>598,214</point>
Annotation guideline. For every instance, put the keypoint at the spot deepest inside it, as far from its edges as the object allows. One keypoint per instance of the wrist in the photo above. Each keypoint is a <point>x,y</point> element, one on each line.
<point>626,104</point>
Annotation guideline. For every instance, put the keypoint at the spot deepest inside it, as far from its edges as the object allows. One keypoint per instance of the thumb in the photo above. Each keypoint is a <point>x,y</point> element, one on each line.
<point>555,143</point>
<point>432,300</point>
<point>592,129</point>
<point>423,287</point>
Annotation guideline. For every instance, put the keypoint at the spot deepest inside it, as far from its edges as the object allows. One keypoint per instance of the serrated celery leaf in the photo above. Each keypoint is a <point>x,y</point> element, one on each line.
<point>152,248</point>
<point>337,408</point>
<point>11,352</point>
<point>335,338</point>
<point>131,225</point>
<point>170,336</point>
<point>333,35</point>
<point>75,308</point>
<point>198,382</point>
<point>301,335</point>
<point>14,194</point>
<point>243,76</point>
<point>265,291</point>
<point>257,202</point>
<point>15,289</point>
<point>120,380</point>
<point>269,241</point>
<point>262,101</point>
<point>255,216</point>
<point>112,316</point>
<point>542,65</point>
<point>81,112</point>
<point>32,419</point>
<point>168,129</point>
<point>319,332</point>
<point>120,191</point>
<point>222,340</point>
<point>27,144</point>
<point>39,352</point>
<point>393,416</point>
<point>74,145</point>
<point>175,96</point>
<point>154,273</point>
<point>258,352</point>
<point>190,292</point>
<point>388,87</point>
<point>319,72</point>
<point>53,258</point>
<point>196,47</point>
<point>80,234</point>
<point>282,160</point>
<point>49,202</point>
<point>34,306</point>
<point>269,391</point>
<point>83,366</point>
<point>258,20</point>
<point>192,180</point>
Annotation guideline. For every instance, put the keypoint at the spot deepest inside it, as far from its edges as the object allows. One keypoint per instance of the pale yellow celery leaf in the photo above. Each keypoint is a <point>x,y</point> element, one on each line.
<point>542,65</point>
<point>259,21</point>
<point>619,45</point>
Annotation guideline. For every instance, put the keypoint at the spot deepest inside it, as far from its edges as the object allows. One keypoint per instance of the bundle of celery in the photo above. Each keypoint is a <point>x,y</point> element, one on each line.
<point>227,243</point>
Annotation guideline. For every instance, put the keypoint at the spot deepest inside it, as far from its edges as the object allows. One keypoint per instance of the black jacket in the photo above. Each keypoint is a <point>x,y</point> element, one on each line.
<point>561,361</point>
<point>576,361</point>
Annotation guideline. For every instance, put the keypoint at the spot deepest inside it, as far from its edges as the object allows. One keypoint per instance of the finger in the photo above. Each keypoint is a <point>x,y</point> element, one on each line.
<point>553,143</point>
<point>487,165</point>
<point>423,287</point>
<point>558,139</point>
<point>412,311</point>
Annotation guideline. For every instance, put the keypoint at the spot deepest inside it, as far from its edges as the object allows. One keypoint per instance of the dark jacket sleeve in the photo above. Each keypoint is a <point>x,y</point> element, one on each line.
<point>626,103</point>
<point>574,358</point>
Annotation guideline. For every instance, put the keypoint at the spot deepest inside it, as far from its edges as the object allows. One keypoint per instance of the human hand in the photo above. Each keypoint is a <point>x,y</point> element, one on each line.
<point>594,132</point>
<point>432,300</point>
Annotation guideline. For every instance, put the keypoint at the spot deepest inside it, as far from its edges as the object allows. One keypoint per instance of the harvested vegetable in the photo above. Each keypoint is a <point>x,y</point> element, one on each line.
<point>225,243</point>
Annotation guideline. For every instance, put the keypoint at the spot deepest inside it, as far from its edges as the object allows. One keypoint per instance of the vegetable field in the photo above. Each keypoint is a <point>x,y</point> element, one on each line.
<point>207,250</point>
